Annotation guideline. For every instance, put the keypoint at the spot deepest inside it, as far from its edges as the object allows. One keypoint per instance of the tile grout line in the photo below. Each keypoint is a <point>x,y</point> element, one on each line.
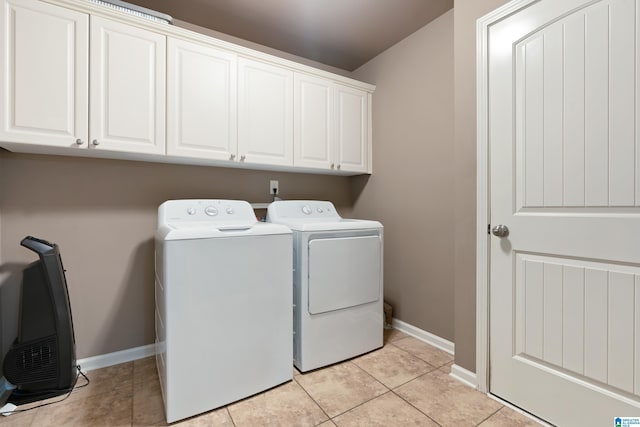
<point>399,385</point>
<point>415,355</point>
<point>411,404</point>
<point>491,415</point>
<point>415,407</point>
<point>312,399</point>
<point>360,404</point>
<point>226,407</point>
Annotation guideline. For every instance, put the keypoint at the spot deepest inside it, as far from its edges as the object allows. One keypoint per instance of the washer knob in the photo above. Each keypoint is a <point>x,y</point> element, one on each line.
<point>191,211</point>
<point>211,211</point>
<point>306,210</point>
<point>319,210</point>
<point>230,211</point>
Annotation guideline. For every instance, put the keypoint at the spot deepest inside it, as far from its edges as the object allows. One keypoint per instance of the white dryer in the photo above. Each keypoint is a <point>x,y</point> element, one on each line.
<point>337,282</point>
<point>223,304</point>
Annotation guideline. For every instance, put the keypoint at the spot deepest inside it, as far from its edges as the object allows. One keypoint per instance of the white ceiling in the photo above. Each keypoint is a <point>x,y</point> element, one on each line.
<point>341,33</point>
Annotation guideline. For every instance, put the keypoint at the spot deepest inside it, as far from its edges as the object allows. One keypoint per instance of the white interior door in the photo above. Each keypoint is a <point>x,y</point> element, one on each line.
<point>565,179</point>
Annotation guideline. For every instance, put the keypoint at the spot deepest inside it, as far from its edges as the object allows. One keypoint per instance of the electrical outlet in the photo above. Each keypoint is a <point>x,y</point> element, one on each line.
<point>273,185</point>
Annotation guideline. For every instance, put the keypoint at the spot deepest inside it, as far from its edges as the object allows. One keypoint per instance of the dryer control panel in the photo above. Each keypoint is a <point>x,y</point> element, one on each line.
<point>215,211</point>
<point>283,210</point>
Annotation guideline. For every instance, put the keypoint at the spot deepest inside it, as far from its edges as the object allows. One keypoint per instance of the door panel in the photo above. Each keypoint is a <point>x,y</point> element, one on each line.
<point>351,128</point>
<point>127,87</point>
<point>564,298</point>
<point>201,101</point>
<point>578,315</point>
<point>265,113</point>
<point>44,79</point>
<point>312,122</point>
<point>575,134</point>
<point>343,272</point>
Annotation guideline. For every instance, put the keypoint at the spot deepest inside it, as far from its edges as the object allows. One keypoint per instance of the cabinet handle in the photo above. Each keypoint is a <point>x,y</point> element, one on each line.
<point>338,167</point>
<point>79,141</point>
<point>242,158</point>
<point>233,156</point>
<point>95,142</point>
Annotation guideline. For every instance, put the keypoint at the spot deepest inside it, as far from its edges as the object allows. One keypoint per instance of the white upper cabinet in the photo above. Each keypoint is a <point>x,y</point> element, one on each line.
<point>265,113</point>
<point>313,122</point>
<point>201,101</point>
<point>43,74</point>
<point>331,125</point>
<point>127,90</point>
<point>352,129</point>
<point>78,78</point>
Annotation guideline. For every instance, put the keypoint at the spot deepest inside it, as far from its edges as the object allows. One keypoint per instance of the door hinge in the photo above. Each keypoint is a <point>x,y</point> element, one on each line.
<point>488,228</point>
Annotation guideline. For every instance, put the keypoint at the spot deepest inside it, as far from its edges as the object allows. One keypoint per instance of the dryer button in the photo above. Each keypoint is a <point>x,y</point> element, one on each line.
<point>211,211</point>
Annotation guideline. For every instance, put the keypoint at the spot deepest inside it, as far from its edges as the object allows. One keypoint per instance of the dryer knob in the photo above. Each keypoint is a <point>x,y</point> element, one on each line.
<point>230,211</point>
<point>211,211</point>
<point>306,209</point>
<point>191,211</point>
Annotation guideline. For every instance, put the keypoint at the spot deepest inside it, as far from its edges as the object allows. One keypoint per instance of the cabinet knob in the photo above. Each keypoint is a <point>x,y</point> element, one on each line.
<point>79,141</point>
<point>333,165</point>
<point>95,142</point>
<point>338,167</point>
<point>231,157</point>
<point>242,158</point>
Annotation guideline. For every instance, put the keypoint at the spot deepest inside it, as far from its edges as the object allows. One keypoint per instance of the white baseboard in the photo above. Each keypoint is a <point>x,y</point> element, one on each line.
<point>464,376</point>
<point>424,336</point>
<point>110,359</point>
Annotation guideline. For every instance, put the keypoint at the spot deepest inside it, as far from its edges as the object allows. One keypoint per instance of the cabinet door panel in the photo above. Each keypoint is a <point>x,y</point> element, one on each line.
<point>312,122</point>
<point>265,113</point>
<point>43,91</point>
<point>201,101</point>
<point>352,112</point>
<point>127,88</point>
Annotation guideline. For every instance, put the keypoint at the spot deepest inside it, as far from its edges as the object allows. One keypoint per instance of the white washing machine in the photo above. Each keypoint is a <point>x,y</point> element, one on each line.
<point>337,282</point>
<point>223,304</point>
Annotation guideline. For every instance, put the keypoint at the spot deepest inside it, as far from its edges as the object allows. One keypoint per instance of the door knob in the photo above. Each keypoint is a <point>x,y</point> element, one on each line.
<point>500,230</point>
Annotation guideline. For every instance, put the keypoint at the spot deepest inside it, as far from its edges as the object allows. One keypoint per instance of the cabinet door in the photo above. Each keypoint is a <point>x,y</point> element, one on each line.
<point>312,122</point>
<point>265,113</point>
<point>201,101</point>
<point>43,74</point>
<point>352,129</point>
<point>127,88</point>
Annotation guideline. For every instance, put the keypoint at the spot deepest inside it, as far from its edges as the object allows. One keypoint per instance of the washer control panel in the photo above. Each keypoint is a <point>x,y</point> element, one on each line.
<point>210,210</point>
<point>301,209</point>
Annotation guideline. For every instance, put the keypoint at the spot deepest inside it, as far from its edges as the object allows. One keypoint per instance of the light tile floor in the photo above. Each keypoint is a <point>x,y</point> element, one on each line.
<point>405,383</point>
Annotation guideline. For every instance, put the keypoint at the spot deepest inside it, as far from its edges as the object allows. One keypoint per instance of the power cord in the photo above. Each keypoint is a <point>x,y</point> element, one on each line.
<point>68,391</point>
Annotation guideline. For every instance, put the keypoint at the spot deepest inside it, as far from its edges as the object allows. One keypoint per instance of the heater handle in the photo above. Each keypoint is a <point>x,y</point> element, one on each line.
<point>39,246</point>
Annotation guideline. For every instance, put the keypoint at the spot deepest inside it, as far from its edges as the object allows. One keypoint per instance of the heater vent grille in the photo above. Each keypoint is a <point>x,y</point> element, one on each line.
<point>34,361</point>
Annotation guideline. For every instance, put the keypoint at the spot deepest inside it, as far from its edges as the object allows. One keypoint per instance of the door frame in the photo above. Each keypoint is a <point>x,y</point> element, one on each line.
<point>483,205</point>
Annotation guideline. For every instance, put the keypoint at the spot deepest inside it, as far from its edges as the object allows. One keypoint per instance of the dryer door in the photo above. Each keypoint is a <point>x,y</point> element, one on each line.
<point>344,272</point>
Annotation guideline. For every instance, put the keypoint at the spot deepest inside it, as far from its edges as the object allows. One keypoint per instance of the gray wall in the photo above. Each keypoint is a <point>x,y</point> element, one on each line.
<point>411,189</point>
<point>464,171</point>
<point>102,214</point>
